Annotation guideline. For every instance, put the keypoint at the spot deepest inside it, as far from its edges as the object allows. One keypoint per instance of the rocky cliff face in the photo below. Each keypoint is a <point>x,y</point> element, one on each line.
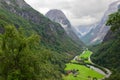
<point>21,8</point>
<point>59,17</point>
<point>18,3</point>
<point>97,35</point>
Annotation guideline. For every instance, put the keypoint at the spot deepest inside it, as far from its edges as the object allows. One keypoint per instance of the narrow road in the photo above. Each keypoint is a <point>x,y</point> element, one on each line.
<point>99,70</point>
<point>95,68</point>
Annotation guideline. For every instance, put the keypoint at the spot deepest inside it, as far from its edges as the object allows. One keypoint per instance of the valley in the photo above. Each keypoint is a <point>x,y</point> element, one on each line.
<point>82,68</point>
<point>56,44</point>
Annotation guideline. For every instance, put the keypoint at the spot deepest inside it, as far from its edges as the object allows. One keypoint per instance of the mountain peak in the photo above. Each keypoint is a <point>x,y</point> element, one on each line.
<point>58,16</point>
<point>55,13</point>
<point>56,10</point>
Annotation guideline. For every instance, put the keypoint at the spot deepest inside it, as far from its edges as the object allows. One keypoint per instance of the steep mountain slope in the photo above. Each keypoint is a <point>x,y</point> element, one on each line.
<point>55,47</point>
<point>97,35</point>
<point>108,53</point>
<point>52,34</point>
<point>59,17</point>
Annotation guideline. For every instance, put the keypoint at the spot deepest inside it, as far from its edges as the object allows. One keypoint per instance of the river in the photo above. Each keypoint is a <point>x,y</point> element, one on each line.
<point>108,72</point>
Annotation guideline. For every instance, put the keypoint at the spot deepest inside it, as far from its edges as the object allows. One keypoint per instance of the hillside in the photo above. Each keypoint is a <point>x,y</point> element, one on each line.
<point>55,46</point>
<point>108,53</point>
<point>52,34</point>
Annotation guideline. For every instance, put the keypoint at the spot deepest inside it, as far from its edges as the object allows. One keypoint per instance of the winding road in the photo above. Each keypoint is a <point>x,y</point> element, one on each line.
<point>99,70</point>
<point>95,68</point>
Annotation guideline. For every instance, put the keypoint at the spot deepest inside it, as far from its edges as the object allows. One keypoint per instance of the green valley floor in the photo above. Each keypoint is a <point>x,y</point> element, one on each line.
<point>78,70</point>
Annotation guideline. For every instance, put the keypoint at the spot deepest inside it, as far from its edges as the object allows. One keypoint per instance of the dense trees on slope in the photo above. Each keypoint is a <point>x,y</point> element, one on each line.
<point>21,58</point>
<point>114,21</point>
<point>108,53</point>
<point>16,56</point>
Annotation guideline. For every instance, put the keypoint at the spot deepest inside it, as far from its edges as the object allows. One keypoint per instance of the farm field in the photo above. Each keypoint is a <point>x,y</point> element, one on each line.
<point>86,54</point>
<point>81,72</point>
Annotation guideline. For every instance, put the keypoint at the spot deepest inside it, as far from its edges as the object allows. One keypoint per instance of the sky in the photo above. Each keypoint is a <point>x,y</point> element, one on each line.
<point>79,12</point>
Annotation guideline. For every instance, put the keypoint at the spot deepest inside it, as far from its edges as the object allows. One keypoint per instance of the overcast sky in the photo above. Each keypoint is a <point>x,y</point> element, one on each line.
<point>79,12</point>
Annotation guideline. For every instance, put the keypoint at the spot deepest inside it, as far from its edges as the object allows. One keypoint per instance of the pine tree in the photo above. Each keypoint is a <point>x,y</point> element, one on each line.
<point>17,60</point>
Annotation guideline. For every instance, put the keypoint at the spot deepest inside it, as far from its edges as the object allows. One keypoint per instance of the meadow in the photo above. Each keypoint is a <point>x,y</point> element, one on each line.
<point>81,72</point>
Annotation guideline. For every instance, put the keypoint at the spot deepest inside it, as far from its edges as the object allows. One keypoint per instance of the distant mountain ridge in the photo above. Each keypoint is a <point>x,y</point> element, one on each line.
<point>84,29</point>
<point>97,35</point>
<point>59,17</point>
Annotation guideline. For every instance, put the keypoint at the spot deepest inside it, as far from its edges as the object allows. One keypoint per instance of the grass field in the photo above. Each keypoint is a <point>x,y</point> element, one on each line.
<point>86,54</point>
<point>84,73</point>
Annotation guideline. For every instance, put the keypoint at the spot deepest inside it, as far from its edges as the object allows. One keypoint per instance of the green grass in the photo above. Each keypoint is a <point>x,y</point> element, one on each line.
<point>86,54</point>
<point>84,72</point>
<point>74,61</point>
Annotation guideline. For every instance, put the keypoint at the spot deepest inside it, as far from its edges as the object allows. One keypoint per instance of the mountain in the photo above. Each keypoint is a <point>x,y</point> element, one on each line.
<point>84,29</point>
<point>59,17</point>
<point>55,47</point>
<point>97,35</point>
<point>107,53</point>
<point>51,32</point>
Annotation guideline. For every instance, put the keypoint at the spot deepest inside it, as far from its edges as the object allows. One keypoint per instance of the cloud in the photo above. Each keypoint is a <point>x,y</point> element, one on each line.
<point>79,12</point>
<point>85,20</point>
